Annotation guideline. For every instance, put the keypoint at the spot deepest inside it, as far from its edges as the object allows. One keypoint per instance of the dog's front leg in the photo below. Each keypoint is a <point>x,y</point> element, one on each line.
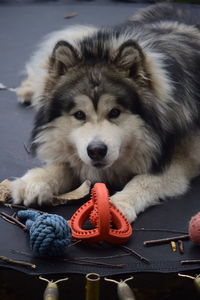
<point>146,190</point>
<point>38,185</point>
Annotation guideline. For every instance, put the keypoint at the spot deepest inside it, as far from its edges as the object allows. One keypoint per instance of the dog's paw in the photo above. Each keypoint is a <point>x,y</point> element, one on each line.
<point>31,191</point>
<point>127,209</point>
<point>25,94</point>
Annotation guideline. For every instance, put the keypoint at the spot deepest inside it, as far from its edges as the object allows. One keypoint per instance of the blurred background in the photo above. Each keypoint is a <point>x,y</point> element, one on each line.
<point>101,1</point>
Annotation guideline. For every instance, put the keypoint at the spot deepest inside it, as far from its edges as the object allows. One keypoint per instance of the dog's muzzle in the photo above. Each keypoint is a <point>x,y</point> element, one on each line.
<point>97,152</point>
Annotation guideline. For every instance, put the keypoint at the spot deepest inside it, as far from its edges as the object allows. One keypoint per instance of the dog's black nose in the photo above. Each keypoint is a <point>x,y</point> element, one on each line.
<point>97,150</point>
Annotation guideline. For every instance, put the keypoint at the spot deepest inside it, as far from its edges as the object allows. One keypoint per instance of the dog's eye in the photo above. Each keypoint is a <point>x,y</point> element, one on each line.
<point>114,113</point>
<point>80,115</point>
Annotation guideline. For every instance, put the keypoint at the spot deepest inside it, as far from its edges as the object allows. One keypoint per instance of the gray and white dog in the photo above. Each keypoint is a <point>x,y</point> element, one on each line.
<point>117,105</point>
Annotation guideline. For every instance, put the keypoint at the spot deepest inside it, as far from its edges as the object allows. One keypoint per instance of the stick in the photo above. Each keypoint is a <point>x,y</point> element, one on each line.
<point>7,220</point>
<point>92,263</point>
<point>106,257</point>
<point>14,220</point>
<point>161,230</point>
<point>166,240</point>
<point>133,252</point>
<point>71,15</point>
<point>75,243</point>
<point>17,262</point>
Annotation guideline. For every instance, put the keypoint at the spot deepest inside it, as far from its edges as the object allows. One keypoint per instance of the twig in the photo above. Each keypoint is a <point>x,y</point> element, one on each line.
<point>17,222</point>
<point>77,261</point>
<point>134,253</point>
<point>80,258</point>
<point>190,261</point>
<point>92,263</point>
<point>106,257</point>
<point>75,243</point>
<point>7,220</point>
<point>166,240</point>
<point>17,262</point>
<point>14,215</point>
<point>160,230</point>
<point>72,15</point>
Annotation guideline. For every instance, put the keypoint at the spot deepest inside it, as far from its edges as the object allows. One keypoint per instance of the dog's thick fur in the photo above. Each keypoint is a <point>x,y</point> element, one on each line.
<point>117,105</point>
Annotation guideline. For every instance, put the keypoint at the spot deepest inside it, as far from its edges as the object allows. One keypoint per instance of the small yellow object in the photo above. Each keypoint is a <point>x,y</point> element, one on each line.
<point>173,246</point>
<point>92,286</point>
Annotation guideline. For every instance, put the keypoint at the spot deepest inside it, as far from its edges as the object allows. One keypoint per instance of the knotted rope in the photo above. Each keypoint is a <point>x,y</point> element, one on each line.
<point>49,233</point>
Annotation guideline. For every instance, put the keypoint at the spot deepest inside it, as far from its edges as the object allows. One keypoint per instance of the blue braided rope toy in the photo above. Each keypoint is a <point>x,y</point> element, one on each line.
<point>49,233</point>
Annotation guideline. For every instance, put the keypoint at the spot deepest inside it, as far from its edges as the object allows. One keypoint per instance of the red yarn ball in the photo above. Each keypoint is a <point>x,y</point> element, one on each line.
<point>194,229</point>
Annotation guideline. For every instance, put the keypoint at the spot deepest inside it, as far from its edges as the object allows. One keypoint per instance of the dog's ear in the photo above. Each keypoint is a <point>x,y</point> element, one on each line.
<point>130,57</point>
<point>64,56</point>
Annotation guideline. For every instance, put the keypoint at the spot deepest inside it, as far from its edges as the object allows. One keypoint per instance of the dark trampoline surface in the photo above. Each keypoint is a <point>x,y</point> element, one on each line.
<point>21,27</point>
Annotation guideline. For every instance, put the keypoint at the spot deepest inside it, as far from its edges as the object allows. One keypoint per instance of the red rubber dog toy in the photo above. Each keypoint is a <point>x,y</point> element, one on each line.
<point>102,215</point>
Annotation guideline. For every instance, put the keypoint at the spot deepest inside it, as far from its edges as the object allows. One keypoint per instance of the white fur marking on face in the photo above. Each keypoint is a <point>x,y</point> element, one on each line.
<point>97,131</point>
<point>96,128</point>
<point>127,139</point>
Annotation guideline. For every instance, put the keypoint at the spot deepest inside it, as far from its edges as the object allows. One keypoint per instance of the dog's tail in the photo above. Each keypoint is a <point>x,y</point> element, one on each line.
<point>167,12</point>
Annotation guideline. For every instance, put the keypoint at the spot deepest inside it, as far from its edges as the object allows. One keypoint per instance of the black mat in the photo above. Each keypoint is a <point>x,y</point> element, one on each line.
<point>21,27</point>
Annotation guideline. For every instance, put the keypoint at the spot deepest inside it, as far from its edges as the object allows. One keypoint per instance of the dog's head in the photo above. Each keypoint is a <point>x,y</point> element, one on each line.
<point>96,107</point>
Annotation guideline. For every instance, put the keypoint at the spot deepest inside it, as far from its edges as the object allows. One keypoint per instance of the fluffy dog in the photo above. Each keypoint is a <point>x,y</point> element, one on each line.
<point>117,105</point>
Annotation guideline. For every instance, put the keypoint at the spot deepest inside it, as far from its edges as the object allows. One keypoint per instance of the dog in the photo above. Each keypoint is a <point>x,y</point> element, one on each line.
<point>118,105</point>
